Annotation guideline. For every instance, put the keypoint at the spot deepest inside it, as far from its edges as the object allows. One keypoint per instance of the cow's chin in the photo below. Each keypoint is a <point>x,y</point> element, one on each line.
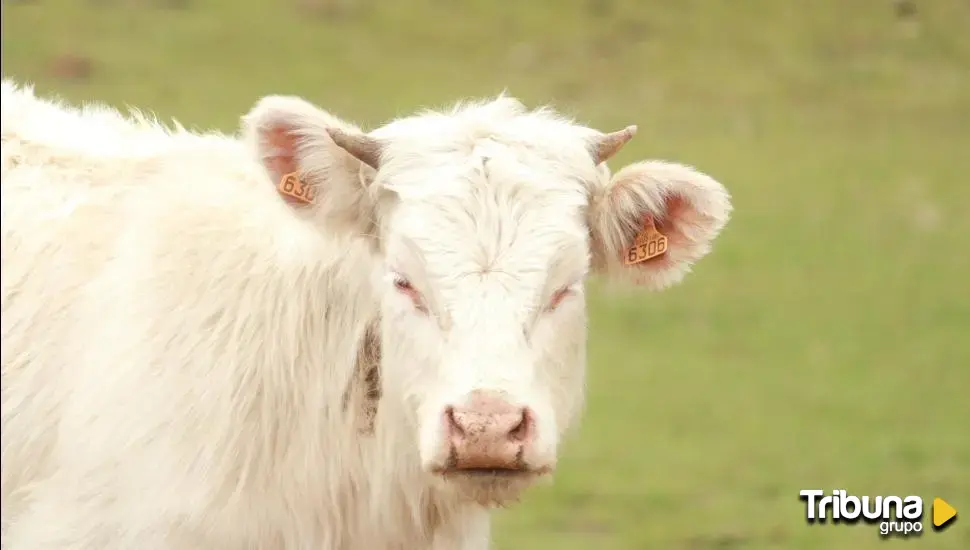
<point>491,488</point>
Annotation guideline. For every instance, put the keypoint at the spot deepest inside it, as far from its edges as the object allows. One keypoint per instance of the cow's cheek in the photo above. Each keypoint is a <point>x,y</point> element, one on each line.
<point>563,368</point>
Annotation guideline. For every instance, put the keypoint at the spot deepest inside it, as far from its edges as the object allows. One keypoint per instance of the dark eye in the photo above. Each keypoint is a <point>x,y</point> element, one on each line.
<point>404,286</point>
<point>558,297</point>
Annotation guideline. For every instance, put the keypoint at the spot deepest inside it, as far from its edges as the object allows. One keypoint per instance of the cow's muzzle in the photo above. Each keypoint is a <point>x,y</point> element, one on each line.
<point>488,436</point>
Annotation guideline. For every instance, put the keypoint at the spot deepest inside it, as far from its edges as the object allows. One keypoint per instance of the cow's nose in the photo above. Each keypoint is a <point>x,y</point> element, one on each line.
<point>488,432</point>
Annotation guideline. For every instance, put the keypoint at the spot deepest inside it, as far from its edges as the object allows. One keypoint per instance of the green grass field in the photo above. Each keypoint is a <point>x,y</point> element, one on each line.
<point>819,346</point>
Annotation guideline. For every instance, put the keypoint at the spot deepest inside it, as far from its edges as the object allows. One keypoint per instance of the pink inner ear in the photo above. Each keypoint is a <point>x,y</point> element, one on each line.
<point>676,211</point>
<point>281,157</point>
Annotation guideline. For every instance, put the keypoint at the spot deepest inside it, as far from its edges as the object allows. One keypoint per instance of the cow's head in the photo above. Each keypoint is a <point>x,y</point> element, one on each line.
<point>486,220</point>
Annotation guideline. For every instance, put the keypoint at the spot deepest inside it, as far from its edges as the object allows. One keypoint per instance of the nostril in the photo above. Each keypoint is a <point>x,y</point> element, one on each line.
<point>522,430</point>
<point>454,427</point>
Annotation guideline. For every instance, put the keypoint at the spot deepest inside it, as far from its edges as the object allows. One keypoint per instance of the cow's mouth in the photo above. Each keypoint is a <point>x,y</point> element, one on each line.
<point>489,472</point>
<point>492,473</point>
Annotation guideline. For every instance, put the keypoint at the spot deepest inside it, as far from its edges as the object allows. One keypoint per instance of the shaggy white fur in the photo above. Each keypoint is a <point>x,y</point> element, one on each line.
<point>185,354</point>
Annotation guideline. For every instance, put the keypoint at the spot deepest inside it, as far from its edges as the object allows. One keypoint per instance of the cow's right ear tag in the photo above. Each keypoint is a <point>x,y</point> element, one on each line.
<point>649,244</point>
<point>295,190</point>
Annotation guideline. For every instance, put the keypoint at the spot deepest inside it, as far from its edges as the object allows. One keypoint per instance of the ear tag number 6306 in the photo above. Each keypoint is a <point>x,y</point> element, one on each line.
<point>649,244</point>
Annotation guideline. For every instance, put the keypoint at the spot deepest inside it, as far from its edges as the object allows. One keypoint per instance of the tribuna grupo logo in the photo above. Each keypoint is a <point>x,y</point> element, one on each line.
<point>902,516</point>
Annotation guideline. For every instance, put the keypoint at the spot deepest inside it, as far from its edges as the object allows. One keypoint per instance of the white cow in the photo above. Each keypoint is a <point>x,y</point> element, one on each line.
<point>196,358</point>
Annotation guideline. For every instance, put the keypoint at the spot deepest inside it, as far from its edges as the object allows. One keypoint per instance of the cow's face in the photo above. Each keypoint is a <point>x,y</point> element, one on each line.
<point>483,309</point>
<point>488,220</point>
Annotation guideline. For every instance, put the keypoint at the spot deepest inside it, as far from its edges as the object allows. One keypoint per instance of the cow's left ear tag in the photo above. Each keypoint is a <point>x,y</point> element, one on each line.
<point>649,244</point>
<point>295,190</point>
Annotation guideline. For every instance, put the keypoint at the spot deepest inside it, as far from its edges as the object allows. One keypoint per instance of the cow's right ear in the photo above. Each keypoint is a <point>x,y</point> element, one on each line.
<point>316,160</point>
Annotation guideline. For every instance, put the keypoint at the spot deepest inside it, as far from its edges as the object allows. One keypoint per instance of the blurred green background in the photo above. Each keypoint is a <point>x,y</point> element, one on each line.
<point>823,344</point>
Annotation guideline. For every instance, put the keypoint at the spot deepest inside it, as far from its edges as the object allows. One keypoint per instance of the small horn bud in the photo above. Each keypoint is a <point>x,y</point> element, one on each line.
<point>607,145</point>
<point>363,147</point>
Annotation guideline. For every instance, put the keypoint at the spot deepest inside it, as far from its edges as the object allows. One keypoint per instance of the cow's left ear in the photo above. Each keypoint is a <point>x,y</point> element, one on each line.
<point>654,220</point>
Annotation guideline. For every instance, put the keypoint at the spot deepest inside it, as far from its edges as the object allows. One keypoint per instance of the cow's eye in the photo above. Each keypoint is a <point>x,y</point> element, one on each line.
<point>558,297</point>
<point>404,286</point>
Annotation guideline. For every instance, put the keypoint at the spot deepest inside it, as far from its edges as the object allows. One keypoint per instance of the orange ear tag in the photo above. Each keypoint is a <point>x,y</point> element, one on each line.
<point>649,243</point>
<point>291,186</point>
